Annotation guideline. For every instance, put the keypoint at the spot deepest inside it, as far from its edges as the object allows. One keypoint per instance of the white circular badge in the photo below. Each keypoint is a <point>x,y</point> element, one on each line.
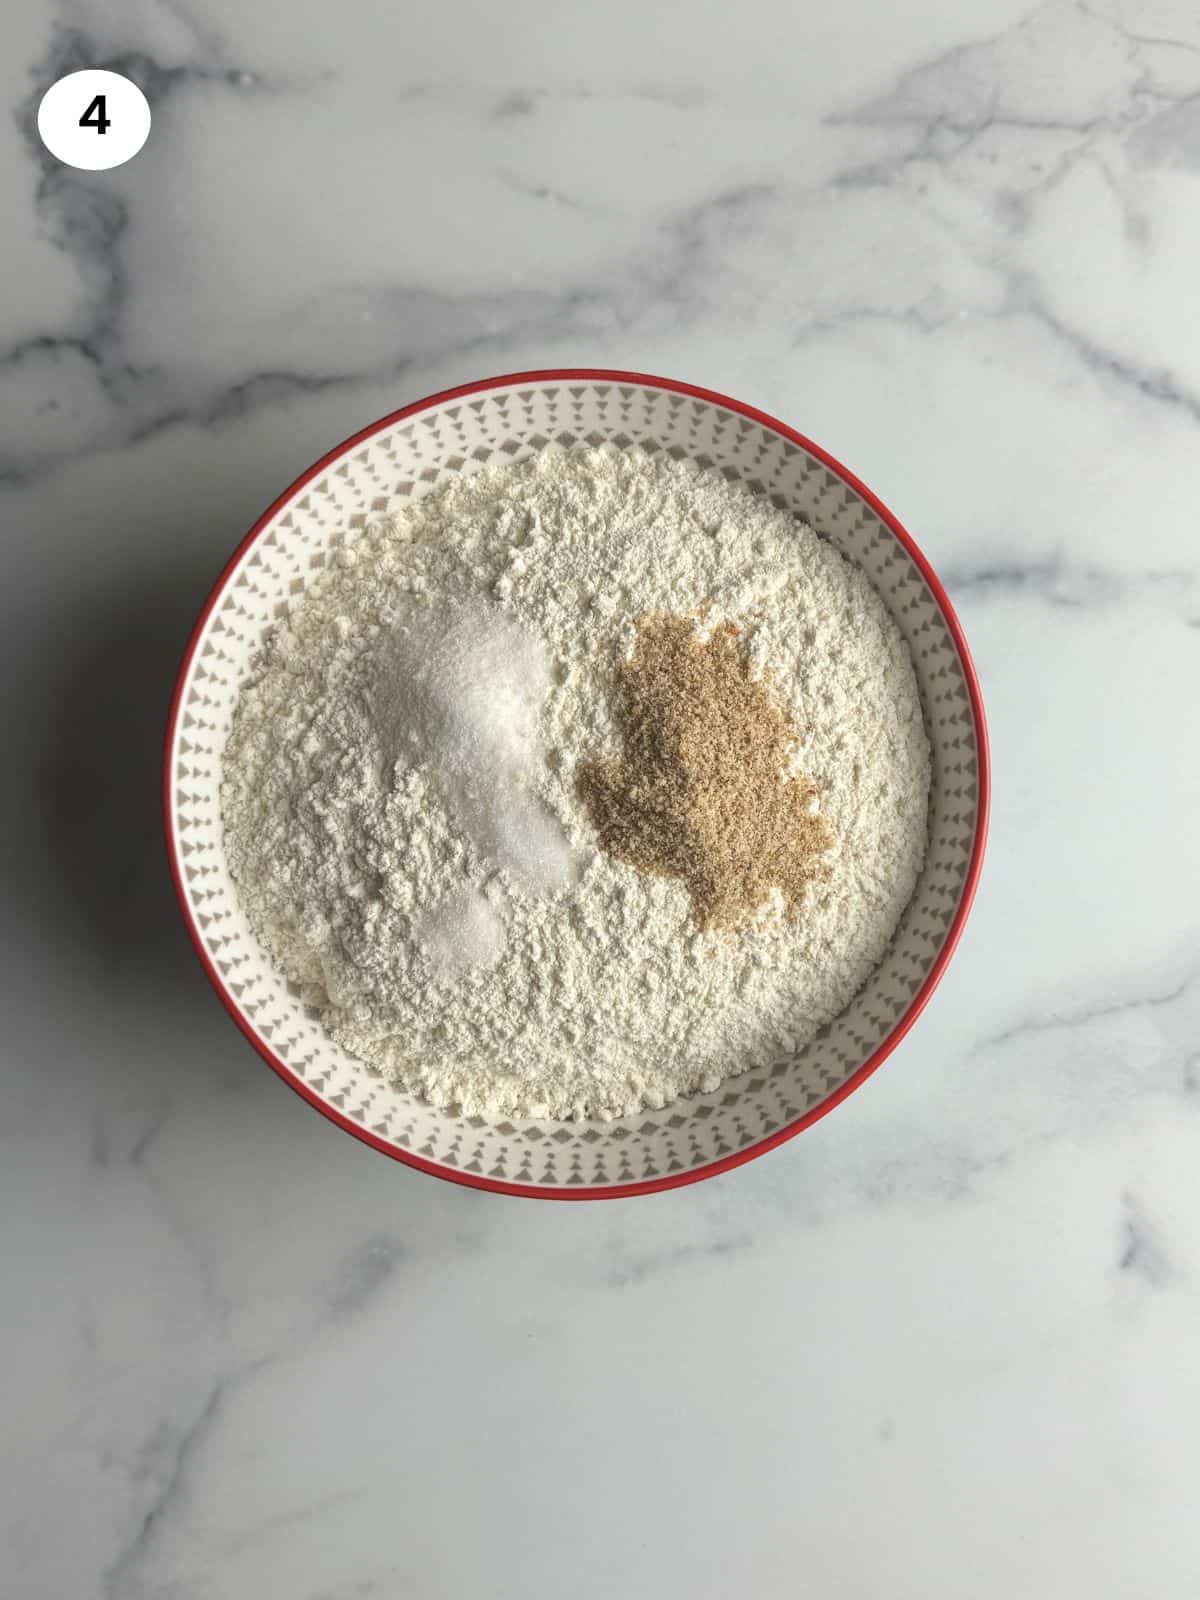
<point>93,119</point>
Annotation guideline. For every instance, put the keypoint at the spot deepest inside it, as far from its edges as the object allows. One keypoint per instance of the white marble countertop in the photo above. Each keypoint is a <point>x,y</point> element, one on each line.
<point>944,1344</point>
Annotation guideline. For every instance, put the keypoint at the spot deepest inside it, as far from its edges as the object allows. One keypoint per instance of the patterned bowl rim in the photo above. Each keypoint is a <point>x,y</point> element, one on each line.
<point>565,375</point>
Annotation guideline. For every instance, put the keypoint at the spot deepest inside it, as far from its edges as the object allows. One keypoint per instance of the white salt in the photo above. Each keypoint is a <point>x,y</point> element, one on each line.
<point>459,693</point>
<point>461,932</point>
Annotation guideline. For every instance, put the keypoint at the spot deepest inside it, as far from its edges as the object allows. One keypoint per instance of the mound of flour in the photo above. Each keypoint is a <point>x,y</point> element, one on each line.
<point>400,807</point>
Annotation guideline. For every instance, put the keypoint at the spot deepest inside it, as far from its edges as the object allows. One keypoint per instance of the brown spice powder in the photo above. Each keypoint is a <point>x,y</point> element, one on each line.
<point>702,791</point>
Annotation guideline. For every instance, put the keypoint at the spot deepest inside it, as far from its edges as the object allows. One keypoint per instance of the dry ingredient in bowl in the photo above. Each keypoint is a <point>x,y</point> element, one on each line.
<point>432,782</point>
<point>704,791</point>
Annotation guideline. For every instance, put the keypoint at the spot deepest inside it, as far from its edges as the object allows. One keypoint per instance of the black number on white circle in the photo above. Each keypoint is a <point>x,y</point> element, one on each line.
<point>92,101</point>
<point>96,116</point>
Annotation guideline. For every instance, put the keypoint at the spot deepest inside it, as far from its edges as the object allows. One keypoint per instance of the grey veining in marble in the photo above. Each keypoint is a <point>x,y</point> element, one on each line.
<point>942,1345</point>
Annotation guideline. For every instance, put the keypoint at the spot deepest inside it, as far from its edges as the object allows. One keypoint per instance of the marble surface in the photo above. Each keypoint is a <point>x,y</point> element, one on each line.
<point>944,1344</point>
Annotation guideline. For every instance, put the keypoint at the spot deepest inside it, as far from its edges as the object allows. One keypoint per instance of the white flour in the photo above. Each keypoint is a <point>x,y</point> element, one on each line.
<point>400,810</point>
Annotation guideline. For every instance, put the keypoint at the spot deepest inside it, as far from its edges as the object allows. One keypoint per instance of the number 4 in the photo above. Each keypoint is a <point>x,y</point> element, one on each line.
<point>96,116</point>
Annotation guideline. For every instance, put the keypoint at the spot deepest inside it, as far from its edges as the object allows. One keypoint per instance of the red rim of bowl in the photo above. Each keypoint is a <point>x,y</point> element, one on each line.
<point>920,999</point>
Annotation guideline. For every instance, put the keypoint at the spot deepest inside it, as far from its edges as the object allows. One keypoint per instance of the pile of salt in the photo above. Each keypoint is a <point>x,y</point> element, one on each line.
<point>459,694</point>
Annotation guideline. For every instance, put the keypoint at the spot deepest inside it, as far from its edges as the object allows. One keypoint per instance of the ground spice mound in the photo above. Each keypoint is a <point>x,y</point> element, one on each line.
<point>703,789</point>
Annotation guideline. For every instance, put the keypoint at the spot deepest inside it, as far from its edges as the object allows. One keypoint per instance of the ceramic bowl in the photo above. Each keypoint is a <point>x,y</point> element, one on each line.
<point>391,464</point>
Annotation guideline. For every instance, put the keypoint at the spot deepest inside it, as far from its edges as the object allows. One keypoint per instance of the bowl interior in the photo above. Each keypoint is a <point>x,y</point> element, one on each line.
<point>402,459</point>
